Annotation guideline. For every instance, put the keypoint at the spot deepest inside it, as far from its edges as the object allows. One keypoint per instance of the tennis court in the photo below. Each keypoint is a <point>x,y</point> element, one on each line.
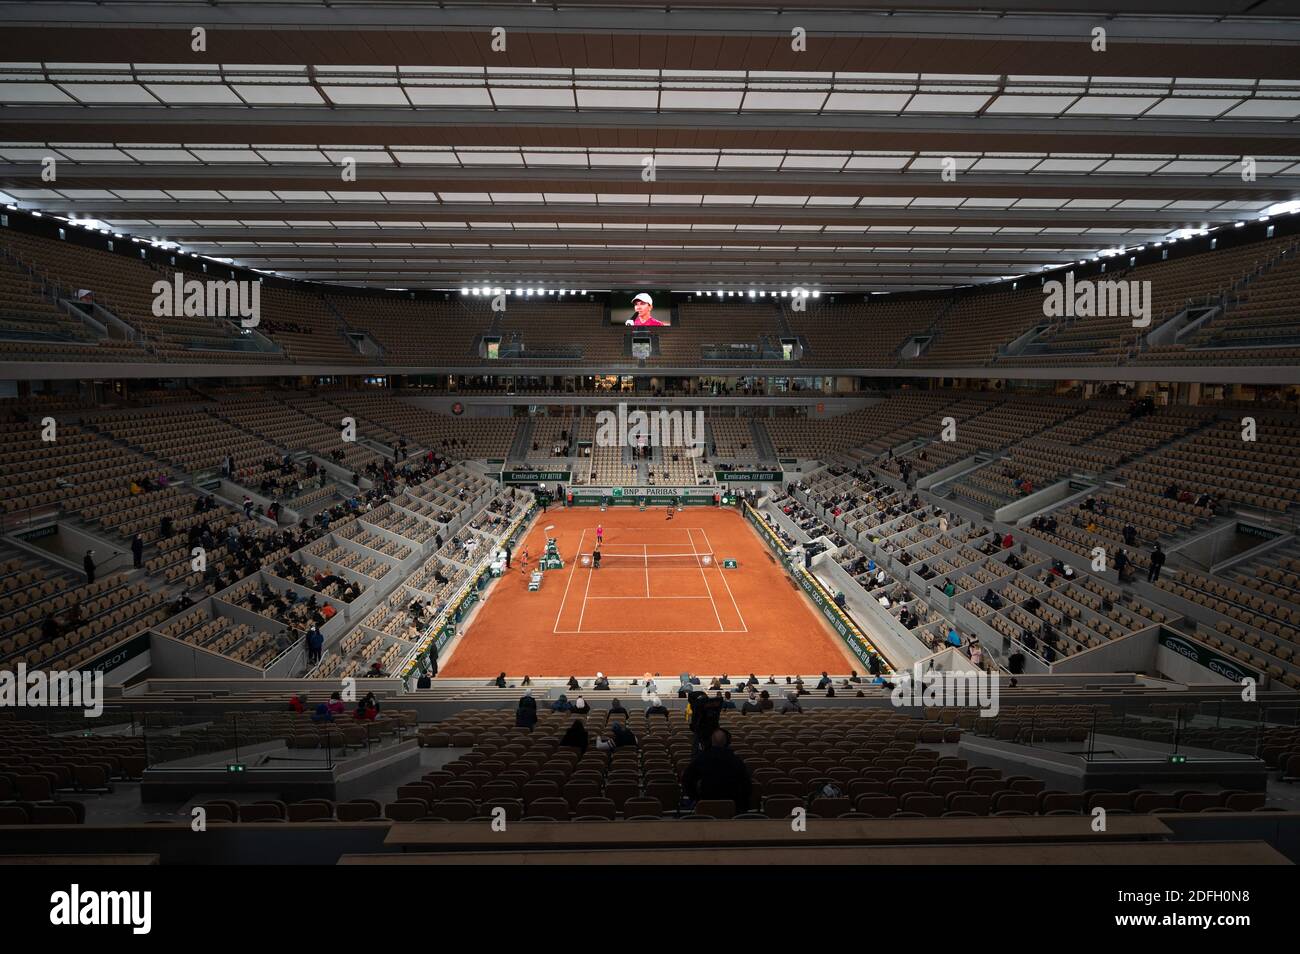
<point>660,601</point>
<point>666,574</point>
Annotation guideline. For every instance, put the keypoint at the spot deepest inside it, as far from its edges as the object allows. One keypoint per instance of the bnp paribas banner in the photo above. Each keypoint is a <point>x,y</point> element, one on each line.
<point>1203,655</point>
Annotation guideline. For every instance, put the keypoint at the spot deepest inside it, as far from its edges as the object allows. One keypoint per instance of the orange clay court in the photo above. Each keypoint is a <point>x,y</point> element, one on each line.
<point>655,605</point>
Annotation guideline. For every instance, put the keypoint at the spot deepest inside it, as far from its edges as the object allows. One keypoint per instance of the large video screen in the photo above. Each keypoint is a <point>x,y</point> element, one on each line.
<point>623,308</point>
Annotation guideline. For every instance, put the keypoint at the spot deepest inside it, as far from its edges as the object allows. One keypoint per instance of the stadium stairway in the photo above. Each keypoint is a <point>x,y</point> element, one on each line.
<point>523,440</point>
<point>762,442</point>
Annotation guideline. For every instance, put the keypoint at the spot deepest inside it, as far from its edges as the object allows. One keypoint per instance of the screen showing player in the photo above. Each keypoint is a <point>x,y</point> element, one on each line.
<point>638,310</point>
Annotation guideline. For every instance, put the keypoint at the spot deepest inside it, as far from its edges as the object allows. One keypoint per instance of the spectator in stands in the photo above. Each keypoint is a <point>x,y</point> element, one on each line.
<point>1156,563</point>
<point>717,772</point>
<point>137,551</point>
<point>526,711</point>
<point>1016,663</point>
<point>49,628</point>
<point>1121,564</point>
<point>602,681</point>
<point>367,710</point>
<point>375,671</point>
<point>706,712</point>
<point>315,642</point>
<point>617,709</point>
<point>336,706</point>
<point>656,706</point>
<point>500,681</point>
<point>824,681</point>
<point>322,713</point>
<point>622,735</point>
<point>573,684</point>
<point>298,702</point>
<point>575,737</point>
<point>88,561</point>
<point>561,704</point>
<point>791,703</point>
<point>581,706</point>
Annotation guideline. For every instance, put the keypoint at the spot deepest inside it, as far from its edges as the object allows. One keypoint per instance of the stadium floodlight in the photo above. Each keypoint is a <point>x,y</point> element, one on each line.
<point>496,291</point>
<point>530,293</point>
<point>12,208</point>
<point>519,291</point>
<point>476,292</point>
<point>584,291</point>
<point>1238,225</point>
<point>35,214</point>
<point>464,291</point>
<point>817,293</point>
<point>752,293</point>
<point>719,292</point>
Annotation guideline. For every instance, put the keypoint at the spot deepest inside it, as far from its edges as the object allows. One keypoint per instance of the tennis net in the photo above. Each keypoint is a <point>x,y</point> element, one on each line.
<point>653,561</point>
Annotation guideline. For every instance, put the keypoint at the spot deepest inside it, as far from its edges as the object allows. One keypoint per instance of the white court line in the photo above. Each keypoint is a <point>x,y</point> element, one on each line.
<point>572,569</point>
<point>708,589</point>
<point>591,598</point>
<point>635,632</point>
<point>709,543</point>
<point>646,552</point>
<point>583,611</point>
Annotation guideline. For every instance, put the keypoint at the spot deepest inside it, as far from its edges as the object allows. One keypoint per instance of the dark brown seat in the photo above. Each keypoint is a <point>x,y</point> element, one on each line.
<point>359,809</point>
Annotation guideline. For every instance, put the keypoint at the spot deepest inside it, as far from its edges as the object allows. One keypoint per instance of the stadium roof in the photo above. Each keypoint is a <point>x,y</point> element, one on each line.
<point>909,146</point>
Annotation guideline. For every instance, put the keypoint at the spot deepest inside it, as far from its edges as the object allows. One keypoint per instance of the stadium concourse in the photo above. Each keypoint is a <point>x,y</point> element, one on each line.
<point>695,434</point>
